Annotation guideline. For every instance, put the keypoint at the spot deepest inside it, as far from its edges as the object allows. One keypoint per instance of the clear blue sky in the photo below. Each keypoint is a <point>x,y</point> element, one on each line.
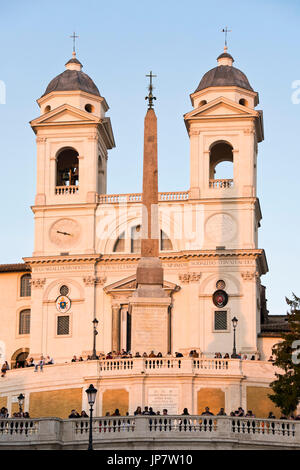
<point>120,41</point>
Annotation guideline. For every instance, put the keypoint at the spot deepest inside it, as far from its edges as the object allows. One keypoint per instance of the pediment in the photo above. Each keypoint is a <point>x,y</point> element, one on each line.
<point>222,107</point>
<point>128,284</point>
<point>65,113</point>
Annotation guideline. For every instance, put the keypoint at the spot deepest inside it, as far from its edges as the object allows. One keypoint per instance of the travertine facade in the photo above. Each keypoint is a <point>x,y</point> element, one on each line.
<point>87,247</point>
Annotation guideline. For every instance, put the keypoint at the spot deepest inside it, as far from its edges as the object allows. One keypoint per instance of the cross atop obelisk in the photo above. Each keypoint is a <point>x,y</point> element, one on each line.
<point>150,304</point>
<point>149,270</point>
<point>150,96</point>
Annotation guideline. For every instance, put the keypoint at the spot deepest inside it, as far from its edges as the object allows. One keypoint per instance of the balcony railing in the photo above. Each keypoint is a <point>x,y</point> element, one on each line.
<point>158,366</point>
<point>137,197</point>
<point>185,431</point>
<point>66,190</point>
<point>220,184</point>
<point>20,427</point>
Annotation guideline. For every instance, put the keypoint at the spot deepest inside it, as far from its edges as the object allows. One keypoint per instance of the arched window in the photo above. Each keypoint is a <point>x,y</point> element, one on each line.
<point>25,286</point>
<point>221,165</point>
<point>89,108</point>
<point>202,103</point>
<point>24,322</point>
<point>67,168</point>
<point>243,102</point>
<point>101,176</point>
<point>165,242</point>
<point>119,245</point>
<point>135,241</point>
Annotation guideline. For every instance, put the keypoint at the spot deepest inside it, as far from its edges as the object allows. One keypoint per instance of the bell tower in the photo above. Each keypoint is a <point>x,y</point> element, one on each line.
<point>73,137</point>
<point>225,129</point>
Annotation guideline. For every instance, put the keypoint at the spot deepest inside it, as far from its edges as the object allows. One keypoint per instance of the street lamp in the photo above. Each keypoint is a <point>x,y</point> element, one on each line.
<point>95,323</point>
<point>234,324</point>
<point>91,393</point>
<point>21,402</point>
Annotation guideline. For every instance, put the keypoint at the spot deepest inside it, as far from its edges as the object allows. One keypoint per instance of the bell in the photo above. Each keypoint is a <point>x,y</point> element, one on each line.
<point>65,176</point>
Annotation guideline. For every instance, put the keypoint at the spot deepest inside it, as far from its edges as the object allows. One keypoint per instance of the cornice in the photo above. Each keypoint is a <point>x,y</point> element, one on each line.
<point>254,254</point>
<point>70,206</point>
<point>45,98</point>
<point>85,259</point>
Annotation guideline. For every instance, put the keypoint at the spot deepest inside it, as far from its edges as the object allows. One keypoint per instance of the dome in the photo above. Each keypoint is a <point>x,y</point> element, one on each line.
<point>72,79</point>
<point>224,75</point>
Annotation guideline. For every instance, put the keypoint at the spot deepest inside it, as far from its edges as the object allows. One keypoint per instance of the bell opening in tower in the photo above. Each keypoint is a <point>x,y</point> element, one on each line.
<point>67,168</point>
<point>221,165</point>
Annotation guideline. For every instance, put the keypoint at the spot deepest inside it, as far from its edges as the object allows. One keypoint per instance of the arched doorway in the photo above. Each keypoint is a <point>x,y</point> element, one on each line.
<point>18,359</point>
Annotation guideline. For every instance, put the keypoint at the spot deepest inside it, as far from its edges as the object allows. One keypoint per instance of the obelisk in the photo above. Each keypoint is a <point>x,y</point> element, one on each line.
<point>149,303</point>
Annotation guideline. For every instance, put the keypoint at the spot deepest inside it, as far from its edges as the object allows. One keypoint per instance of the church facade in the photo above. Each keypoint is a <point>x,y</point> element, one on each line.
<point>87,246</point>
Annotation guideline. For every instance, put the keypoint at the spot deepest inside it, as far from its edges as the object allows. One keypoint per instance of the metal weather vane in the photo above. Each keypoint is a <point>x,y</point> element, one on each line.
<point>150,96</point>
<point>226,31</point>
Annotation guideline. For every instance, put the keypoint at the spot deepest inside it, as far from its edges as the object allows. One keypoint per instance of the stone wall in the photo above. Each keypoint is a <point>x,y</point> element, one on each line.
<point>56,403</point>
<point>115,398</point>
<point>214,398</point>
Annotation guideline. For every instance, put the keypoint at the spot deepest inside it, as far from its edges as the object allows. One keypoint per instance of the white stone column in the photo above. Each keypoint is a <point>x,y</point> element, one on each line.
<point>37,324</point>
<point>123,327</point>
<point>195,170</point>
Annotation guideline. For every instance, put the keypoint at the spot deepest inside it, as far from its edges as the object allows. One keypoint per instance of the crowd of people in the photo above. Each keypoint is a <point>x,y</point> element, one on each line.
<point>20,414</point>
<point>192,354</point>
<point>148,411</point>
<point>43,361</point>
<point>39,364</point>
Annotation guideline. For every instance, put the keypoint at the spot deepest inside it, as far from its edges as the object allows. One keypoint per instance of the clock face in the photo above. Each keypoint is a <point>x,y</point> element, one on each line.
<point>221,228</point>
<point>65,232</point>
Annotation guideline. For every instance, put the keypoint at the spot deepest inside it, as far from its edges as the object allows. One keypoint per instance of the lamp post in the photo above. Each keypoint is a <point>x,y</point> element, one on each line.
<point>234,324</point>
<point>91,393</point>
<point>95,323</point>
<point>21,402</point>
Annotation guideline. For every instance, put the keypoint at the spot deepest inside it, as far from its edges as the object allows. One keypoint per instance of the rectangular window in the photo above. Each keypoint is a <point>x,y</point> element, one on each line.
<point>24,322</point>
<point>25,290</point>
<point>63,325</point>
<point>220,322</point>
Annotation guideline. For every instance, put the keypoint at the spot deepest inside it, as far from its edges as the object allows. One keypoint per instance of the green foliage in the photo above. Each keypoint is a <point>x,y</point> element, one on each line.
<point>286,387</point>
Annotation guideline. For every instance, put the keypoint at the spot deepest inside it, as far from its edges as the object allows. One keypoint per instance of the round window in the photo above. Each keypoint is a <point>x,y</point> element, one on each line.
<point>64,290</point>
<point>220,285</point>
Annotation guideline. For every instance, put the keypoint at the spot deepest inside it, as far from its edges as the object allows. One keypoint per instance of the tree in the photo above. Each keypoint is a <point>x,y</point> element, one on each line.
<point>286,387</point>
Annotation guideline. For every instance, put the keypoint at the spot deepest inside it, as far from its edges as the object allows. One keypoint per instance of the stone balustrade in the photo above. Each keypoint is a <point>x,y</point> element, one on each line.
<point>148,366</point>
<point>62,190</point>
<point>220,184</point>
<point>151,432</point>
<point>128,198</point>
<point>152,366</point>
<point>136,366</point>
